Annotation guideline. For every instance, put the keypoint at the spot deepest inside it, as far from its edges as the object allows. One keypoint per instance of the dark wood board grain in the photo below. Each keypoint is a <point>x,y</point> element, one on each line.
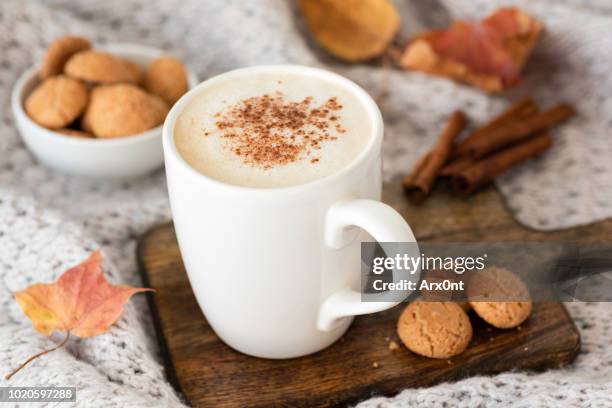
<point>209,373</point>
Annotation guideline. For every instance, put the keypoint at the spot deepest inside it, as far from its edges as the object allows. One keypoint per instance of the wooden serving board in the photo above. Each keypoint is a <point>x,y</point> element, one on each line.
<point>360,365</point>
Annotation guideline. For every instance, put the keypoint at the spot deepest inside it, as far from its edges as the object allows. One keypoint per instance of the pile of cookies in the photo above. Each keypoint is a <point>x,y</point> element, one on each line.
<point>442,329</point>
<point>89,93</point>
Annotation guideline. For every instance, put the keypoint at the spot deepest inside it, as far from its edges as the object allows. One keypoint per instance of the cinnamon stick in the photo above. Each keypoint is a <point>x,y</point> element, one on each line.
<point>417,185</point>
<point>520,109</point>
<point>459,160</point>
<point>518,130</point>
<point>456,166</point>
<point>482,172</point>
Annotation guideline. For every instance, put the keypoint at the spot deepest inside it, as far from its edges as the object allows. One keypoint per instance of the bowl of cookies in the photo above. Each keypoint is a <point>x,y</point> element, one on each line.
<point>97,111</point>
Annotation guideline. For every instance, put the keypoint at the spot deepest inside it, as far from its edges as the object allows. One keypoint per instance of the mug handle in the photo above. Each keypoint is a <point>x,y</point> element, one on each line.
<point>384,224</point>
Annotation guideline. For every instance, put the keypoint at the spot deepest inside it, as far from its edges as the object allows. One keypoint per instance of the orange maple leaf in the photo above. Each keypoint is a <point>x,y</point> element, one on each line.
<point>489,53</point>
<point>82,302</point>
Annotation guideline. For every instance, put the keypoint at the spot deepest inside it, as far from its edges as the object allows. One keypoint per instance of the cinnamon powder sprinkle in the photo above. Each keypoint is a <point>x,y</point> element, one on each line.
<point>268,131</point>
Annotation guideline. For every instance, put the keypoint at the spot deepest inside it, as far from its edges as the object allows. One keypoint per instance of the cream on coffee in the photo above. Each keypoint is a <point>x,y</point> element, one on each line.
<point>272,130</point>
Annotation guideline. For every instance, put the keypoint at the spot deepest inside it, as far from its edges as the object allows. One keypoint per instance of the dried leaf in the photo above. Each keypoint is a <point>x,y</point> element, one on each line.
<point>81,302</point>
<point>489,53</point>
<point>353,30</point>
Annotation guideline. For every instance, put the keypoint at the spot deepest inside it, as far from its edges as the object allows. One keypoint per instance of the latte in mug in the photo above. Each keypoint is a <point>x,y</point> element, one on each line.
<point>272,130</point>
<point>272,268</point>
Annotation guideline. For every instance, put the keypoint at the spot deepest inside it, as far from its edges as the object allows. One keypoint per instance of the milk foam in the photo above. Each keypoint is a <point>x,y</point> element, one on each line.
<point>204,145</point>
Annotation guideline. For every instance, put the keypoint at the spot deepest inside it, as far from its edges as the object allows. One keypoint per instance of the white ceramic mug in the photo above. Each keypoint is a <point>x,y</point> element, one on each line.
<point>275,269</point>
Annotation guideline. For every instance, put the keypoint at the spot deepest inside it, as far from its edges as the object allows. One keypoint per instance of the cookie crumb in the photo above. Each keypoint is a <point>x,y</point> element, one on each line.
<point>526,349</point>
<point>393,345</point>
<point>375,364</point>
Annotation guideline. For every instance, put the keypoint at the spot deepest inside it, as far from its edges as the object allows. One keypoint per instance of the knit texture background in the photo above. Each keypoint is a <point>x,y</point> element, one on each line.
<point>49,222</point>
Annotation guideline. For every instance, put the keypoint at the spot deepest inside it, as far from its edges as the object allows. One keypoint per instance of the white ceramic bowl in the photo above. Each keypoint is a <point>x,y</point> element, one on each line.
<point>119,158</point>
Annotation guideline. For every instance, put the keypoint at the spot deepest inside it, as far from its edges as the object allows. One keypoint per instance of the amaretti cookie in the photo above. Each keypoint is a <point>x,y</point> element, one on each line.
<point>56,102</point>
<point>499,297</point>
<point>435,329</point>
<point>59,52</point>
<point>75,133</point>
<point>122,110</point>
<point>166,77</point>
<point>101,67</point>
<point>87,93</point>
<point>432,293</point>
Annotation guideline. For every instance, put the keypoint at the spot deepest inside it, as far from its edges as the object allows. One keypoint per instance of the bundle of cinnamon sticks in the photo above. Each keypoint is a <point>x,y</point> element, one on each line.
<point>516,135</point>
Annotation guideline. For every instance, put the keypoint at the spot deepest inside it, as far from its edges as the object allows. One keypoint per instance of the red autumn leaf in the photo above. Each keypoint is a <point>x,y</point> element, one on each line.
<point>489,53</point>
<point>82,302</point>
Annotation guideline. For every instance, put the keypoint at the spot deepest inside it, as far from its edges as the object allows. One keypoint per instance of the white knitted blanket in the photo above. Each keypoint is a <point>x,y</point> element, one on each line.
<point>49,222</point>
